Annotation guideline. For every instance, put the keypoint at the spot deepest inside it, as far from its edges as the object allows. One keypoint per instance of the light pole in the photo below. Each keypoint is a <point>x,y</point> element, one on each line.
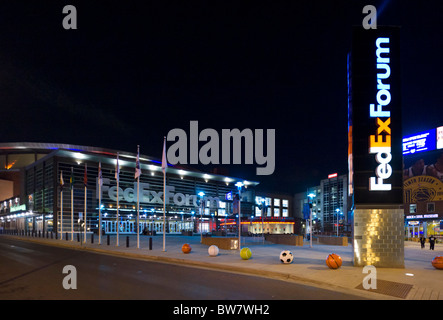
<point>263,206</point>
<point>339,212</point>
<point>239,185</point>
<point>201,194</point>
<point>310,196</point>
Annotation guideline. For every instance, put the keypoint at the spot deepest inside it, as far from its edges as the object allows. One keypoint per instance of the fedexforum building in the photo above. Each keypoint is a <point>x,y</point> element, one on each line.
<point>32,197</point>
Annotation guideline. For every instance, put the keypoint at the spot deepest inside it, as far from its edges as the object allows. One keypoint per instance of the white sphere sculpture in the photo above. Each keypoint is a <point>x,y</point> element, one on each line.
<point>213,251</point>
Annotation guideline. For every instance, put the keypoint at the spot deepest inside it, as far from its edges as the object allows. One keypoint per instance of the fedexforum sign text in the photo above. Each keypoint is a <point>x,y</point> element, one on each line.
<point>146,195</point>
<point>380,143</point>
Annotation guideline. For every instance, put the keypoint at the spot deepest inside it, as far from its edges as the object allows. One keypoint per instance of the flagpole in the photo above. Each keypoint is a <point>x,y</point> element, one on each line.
<point>117,174</point>
<point>61,207</point>
<point>99,203</point>
<point>164,210</point>
<point>72,204</point>
<point>61,214</point>
<point>85,179</point>
<point>138,196</point>
<point>164,165</point>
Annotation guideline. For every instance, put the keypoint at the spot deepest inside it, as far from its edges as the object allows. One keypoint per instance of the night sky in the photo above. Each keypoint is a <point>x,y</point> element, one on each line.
<point>134,70</point>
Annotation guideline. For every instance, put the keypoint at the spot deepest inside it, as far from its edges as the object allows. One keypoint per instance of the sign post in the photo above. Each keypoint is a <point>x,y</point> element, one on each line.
<point>375,146</point>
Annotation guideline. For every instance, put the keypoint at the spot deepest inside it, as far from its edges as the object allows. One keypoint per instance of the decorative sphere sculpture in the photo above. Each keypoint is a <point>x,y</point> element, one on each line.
<point>333,261</point>
<point>286,257</point>
<point>213,250</point>
<point>186,248</point>
<point>437,262</point>
<point>245,253</point>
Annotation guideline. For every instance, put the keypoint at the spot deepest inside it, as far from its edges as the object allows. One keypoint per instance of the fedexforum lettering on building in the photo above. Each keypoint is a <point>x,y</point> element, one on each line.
<point>380,143</point>
<point>148,196</point>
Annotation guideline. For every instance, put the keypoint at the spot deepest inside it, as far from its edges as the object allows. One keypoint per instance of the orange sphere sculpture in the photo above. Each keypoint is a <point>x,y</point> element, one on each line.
<point>437,262</point>
<point>333,261</point>
<point>186,248</point>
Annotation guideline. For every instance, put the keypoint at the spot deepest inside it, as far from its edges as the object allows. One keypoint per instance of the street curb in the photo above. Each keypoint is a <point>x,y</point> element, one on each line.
<point>213,266</point>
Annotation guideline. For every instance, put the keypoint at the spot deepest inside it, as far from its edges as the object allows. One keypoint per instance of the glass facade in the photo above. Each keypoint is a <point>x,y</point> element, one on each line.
<point>44,205</point>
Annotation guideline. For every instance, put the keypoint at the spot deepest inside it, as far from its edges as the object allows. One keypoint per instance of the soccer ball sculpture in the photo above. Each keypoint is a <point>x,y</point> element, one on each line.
<point>286,257</point>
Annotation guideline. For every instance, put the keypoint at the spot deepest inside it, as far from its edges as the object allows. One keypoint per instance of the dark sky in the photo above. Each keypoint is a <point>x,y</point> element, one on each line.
<point>134,70</point>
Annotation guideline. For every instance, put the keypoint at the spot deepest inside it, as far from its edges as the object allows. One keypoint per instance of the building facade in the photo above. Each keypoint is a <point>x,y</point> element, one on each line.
<point>329,205</point>
<point>273,214</point>
<point>423,184</point>
<point>33,175</point>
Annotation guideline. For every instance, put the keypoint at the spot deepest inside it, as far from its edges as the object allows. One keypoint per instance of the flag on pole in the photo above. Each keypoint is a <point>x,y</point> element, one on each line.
<point>85,177</point>
<point>100,183</point>
<point>117,177</point>
<point>117,169</point>
<point>62,183</point>
<point>164,166</point>
<point>138,171</point>
<point>100,176</point>
<point>164,161</point>
<point>71,179</point>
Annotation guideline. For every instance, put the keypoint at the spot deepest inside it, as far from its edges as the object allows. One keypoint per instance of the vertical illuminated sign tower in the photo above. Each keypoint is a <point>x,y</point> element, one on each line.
<point>375,146</point>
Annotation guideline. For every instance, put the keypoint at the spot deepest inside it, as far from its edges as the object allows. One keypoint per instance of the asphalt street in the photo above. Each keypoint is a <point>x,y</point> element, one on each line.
<point>31,271</point>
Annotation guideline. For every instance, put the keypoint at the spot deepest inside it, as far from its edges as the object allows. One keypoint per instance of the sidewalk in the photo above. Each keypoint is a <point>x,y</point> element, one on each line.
<point>419,280</point>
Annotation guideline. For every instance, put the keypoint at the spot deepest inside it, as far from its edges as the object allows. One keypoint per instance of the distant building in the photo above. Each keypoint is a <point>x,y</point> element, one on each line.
<point>329,205</point>
<point>423,184</point>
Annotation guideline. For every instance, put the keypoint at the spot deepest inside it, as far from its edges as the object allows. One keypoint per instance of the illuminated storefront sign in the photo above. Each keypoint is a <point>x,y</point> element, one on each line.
<point>18,208</point>
<point>439,143</point>
<point>423,216</point>
<point>424,141</point>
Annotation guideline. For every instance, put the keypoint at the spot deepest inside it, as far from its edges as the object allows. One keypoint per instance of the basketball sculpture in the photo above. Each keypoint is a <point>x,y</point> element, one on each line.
<point>245,253</point>
<point>286,257</point>
<point>333,261</point>
<point>437,262</point>
<point>213,251</point>
<point>186,248</point>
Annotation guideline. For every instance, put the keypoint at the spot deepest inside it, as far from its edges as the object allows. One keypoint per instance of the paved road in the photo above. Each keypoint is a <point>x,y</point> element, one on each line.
<point>34,271</point>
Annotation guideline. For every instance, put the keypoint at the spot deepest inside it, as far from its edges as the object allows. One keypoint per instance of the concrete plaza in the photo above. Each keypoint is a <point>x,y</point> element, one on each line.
<point>419,280</point>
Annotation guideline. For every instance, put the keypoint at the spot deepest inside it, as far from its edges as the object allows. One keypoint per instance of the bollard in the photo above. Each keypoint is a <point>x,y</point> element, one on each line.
<point>107,239</point>
<point>52,235</point>
<point>92,238</point>
<point>66,236</point>
<point>78,237</point>
<point>150,243</point>
<point>127,241</point>
<point>39,233</point>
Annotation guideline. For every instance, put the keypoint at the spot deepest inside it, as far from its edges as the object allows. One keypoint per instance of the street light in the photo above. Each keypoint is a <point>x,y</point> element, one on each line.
<point>310,196</point>
<point>338,211</point>
<point>263,206</point>
<point>201,194</point>
<point>239,185</point>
